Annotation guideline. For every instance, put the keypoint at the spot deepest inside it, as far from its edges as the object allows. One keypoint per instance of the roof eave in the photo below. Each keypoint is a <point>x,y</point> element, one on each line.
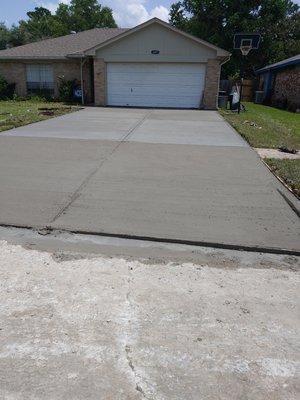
<point>20,58</point>
<point>277,67</point>
<point>76,55</point>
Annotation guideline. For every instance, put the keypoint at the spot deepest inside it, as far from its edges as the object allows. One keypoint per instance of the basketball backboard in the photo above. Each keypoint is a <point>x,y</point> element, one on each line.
<point>246,42</point>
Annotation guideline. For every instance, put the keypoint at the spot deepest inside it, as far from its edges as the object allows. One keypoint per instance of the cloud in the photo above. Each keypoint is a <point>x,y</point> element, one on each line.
<point>127,13</point>
<point>133,12</point>
<point>160,12</point>
<point>51,5</point>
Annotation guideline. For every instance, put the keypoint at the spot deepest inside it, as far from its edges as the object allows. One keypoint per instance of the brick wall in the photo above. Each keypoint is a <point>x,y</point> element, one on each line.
<point>15,72</point>
<point>70,70</point>
<point>66,70</point>
<point>286,88</point>
<point>87,81</point>
<point>100,81</point>
<point>211,88</point>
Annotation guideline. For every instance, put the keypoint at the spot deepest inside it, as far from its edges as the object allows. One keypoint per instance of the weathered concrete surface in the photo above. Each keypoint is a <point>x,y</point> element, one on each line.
<point>77,327</point>
<point>179,175</point>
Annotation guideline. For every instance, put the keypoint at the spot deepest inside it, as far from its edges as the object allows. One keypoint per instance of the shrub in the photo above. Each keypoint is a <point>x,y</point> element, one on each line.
<point>7,90</point>
<point>65,90</point>
<point>40,96</point>
<point>3,84</point>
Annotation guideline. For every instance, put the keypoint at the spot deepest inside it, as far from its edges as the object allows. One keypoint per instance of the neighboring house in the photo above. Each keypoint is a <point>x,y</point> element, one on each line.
<point>281,83</point>
<point>153,64</point>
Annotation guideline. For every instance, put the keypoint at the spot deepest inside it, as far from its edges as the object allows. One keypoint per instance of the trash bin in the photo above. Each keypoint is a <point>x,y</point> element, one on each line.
<point>259,97</point>
<point>222,101</point>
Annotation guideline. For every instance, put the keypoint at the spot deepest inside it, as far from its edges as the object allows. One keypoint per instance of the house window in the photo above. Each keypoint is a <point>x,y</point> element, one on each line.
<point>40,79</point>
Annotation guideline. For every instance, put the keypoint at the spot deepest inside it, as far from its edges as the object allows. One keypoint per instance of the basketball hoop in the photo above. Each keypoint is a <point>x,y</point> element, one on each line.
<point>245,42</point>
<point>245,50</point>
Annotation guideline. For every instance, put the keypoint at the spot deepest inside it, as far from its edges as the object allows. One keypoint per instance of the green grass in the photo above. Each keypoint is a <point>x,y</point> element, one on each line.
<point>266,127</point>
<point>270,128</point>
<point>288,170</point>
<point>18,113</point>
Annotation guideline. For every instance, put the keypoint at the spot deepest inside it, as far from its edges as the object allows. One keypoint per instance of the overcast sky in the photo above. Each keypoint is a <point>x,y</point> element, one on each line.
<point>127,13</point>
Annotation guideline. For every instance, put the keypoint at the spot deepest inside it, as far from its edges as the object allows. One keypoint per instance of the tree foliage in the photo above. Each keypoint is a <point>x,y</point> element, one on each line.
<point>4,36</point>
<point>81,15</point>
<point>278,22</point>
<point>77,16</point>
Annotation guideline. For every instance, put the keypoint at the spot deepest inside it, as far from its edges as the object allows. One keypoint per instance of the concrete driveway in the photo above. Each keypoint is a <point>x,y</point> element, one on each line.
<point>162,174</point>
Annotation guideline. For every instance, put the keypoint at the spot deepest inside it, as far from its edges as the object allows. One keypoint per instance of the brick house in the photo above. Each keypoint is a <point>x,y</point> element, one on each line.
<point>280,83</point>
<point>153,64</point>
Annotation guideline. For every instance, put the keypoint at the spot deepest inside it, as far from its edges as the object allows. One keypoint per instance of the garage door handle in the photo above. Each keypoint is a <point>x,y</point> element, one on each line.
<point>131,90</point>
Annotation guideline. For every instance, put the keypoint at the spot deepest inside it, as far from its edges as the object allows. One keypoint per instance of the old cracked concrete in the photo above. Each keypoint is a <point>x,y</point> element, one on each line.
<point>77,325</point>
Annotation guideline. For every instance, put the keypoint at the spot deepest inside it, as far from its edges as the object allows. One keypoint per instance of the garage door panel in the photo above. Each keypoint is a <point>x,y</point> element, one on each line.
<point>155,67</point>
<point>162,79</point>
<point>155,85</point>
<point>156,101</point>
<point>152,91</point>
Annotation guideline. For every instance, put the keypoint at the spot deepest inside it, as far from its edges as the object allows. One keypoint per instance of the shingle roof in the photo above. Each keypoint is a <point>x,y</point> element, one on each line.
<point>281,64</point>
<point>62,46</point>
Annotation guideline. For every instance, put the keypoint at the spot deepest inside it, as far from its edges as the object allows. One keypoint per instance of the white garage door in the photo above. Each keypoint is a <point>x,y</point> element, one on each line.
<point>155,85</point>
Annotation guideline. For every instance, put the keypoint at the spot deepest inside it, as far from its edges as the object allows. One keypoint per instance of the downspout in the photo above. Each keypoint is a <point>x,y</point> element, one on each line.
<point>221,63</point>
<point>82,62</point>
<point>224,61</point>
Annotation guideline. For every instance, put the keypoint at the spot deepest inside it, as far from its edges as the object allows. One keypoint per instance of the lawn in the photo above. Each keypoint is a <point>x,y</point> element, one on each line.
<point>18,113</point>
<point>266,127</point>
<point>288,170</point>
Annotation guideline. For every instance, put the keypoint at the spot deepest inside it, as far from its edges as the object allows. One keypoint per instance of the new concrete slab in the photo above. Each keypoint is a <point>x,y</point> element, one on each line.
<point>89,123</point>
<point>196,193</point>
<point>172,174</point>
<point>38,176</point>
<point>203,133</point>
<point>150,126</point>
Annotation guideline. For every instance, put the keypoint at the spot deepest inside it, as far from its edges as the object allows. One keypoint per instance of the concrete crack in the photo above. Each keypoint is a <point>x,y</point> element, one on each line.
<point>137,380</point>
<point>84,183</point>
<point>138,388</point>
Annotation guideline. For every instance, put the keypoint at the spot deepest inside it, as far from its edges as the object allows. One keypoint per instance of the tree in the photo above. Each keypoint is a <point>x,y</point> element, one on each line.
<point>4,36</point>
<point>39,24</point>
<point>17,36</point>
<point>11,37</point>
<point>217,21</point>
<point>81,15</point>
<point>77,16</point>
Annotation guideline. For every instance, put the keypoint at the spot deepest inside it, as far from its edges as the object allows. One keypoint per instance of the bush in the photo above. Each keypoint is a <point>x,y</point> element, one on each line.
<point>40,96</point>
<point>7,90</point>
<point>65,90</point>
<point>3,84</point>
